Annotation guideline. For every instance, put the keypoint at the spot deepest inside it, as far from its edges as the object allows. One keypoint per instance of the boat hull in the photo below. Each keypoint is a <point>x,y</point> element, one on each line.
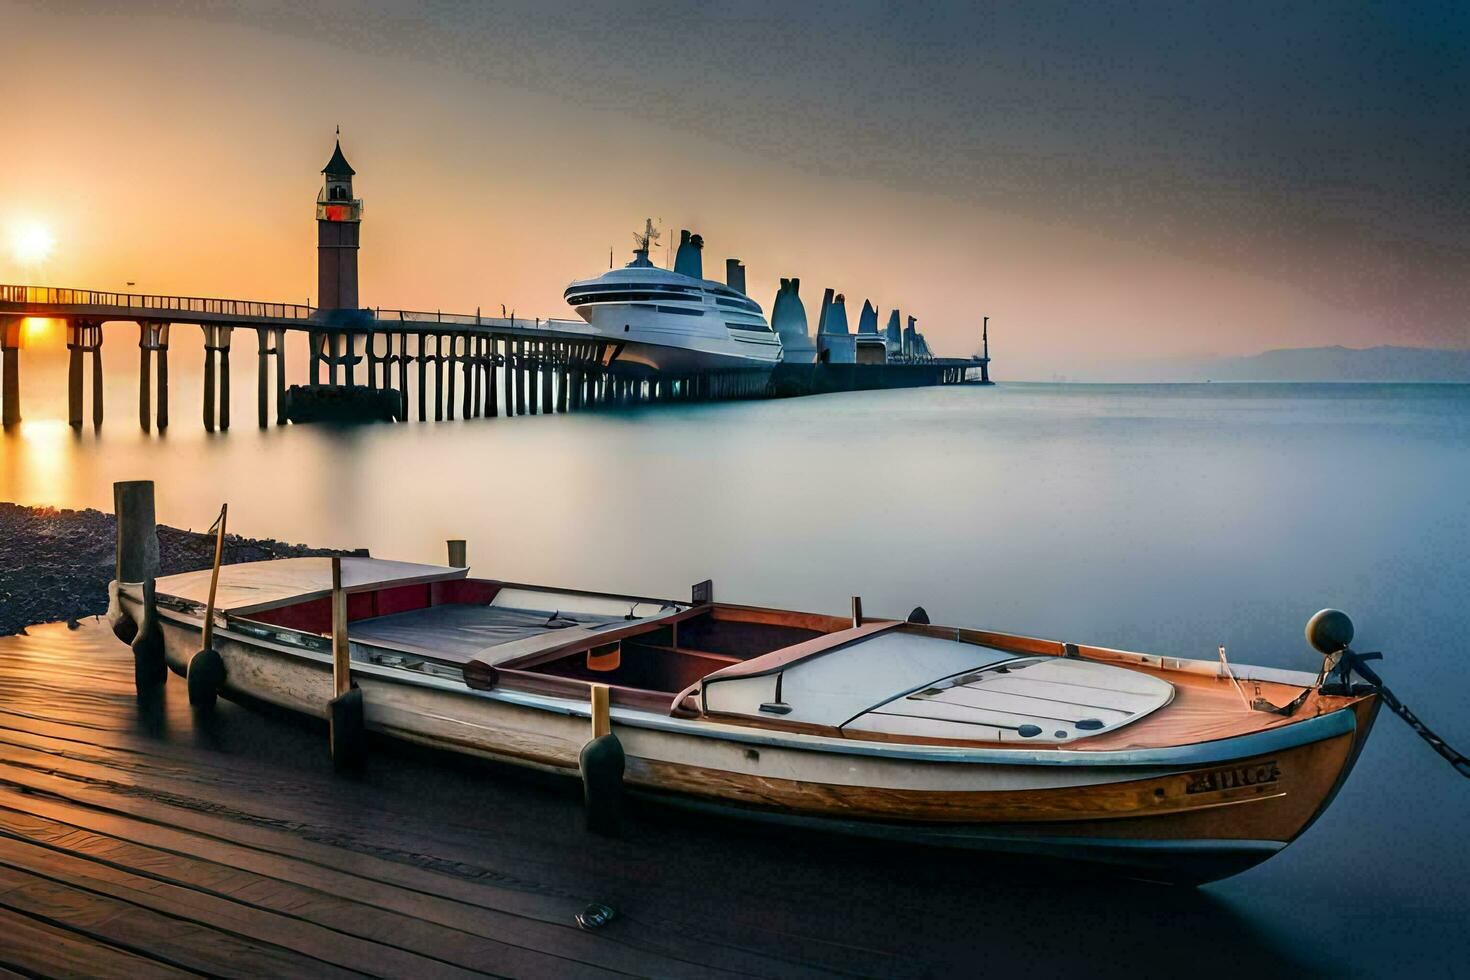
<point>1191,814</point>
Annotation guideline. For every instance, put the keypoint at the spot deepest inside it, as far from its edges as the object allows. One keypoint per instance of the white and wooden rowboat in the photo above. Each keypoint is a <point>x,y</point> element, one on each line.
<point>878,727</point>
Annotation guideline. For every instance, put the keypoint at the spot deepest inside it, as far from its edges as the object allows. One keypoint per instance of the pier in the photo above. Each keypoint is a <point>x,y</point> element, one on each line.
<point>362,360</point>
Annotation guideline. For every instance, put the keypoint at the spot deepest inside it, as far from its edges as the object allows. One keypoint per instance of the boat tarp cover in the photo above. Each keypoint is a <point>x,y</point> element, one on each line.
<point>253,586</point>
<point>459,633</point>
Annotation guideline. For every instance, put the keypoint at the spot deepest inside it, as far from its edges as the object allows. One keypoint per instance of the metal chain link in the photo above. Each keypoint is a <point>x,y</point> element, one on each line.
<point>1454,758</point>
<point>1354,662</point>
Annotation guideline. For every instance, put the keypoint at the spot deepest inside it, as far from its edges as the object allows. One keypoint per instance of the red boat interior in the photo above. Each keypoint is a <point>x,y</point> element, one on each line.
<point>455,622</point>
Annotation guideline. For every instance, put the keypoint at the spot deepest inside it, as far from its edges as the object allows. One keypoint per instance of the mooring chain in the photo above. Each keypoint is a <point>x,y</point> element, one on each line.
<point>1456,759</point>
<point>1354,662</point>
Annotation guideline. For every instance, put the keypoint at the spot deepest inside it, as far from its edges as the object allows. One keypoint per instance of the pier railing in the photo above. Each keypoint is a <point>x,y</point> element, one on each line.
<point>59,296</point>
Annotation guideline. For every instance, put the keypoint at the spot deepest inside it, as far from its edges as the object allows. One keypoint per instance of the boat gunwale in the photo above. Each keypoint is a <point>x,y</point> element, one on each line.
<point>1339,721</point>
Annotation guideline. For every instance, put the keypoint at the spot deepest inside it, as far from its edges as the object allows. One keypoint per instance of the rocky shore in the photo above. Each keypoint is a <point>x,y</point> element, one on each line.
<point>55,564</point>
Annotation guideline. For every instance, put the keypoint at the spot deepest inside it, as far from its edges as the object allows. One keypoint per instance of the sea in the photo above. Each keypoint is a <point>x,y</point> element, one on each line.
<point>1172,519</point>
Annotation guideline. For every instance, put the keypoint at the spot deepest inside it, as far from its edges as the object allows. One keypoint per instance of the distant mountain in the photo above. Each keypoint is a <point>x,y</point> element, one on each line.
<point>1341,364</point>
<point>1302,364</point>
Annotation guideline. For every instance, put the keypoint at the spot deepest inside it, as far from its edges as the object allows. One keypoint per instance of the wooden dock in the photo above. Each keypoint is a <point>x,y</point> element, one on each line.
<point>135,841</point>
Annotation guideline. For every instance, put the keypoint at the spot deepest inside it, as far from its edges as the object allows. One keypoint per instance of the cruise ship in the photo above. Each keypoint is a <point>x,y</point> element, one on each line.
<point>674,321</point>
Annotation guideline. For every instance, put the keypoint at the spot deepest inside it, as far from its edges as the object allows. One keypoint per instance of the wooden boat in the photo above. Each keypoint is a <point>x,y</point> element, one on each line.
<point>894,729</point>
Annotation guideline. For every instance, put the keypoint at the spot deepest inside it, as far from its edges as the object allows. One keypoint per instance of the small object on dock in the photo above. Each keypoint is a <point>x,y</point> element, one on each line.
<point>595,916</point>
<point>347,732</point>
<point>702,592</point>
<point>602,762</point>
<point>206,668</point>
<point>457,553</point>
<point>919,615</point>
<point>857,611</point>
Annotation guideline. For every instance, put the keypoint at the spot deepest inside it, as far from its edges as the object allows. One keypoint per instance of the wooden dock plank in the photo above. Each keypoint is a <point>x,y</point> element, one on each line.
<point>176,942</point>
<point>41,820</point>
<point>35,948</point>
<point>249,921</point>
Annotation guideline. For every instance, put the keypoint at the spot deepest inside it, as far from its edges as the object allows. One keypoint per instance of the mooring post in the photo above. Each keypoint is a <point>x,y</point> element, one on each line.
<point>10,328</point>
<point>458,553</point>
<point>136,563</point>
<point>602,763</point>
<point>345,710</point>
<point>857,611</point>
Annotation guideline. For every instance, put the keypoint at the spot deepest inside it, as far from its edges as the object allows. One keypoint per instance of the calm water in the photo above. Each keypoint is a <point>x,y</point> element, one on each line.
<point>1164,518</point>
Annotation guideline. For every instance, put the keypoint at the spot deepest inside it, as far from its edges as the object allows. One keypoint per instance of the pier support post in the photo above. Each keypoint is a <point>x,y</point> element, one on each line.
<point>438,377</point>
<point>452,368</point>
<point>262,378</point>
<point>492,384</point>
<point>280,345</point>
<point>546,393</point>
<point>468,362</point>
<point>403,376</point>
<point>423,379</point>
<point>10,328</point>
<point>348,732</point>
<point>216,342</point>
<point>83,337</point>
<point>314,341</point>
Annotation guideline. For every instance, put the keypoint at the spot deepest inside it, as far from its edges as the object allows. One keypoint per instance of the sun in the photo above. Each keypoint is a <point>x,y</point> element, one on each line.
<point>31,243</point>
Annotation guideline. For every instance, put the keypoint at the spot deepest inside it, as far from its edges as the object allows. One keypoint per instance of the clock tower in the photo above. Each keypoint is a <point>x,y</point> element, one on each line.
<point>338,221</point>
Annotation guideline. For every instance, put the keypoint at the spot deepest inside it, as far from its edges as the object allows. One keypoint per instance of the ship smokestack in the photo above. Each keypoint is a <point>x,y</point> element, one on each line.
<point>687,261</point>
<point>735,275</point>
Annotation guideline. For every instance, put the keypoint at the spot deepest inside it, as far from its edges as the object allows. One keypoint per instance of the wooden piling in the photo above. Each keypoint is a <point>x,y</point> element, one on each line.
<point>438,377</point>
<point>10,328</point>
<point>137,530</point>
<point>857,611</point>
<point>492,371</point>
<point>161,414</point>
<point>96,350</point>
<point>208,388</point>
<point>280,346</point>
<point>224,378</point>
<point>546,392</point>
<point>74,375</point>
<point>262,379</point>
<point>423,379</point>
<point>145,380</point>
<point>451,368</point>
<point>403,376</point>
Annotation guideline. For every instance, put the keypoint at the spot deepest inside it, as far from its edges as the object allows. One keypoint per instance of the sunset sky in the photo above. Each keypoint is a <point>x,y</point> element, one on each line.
<point>1107,182</point>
